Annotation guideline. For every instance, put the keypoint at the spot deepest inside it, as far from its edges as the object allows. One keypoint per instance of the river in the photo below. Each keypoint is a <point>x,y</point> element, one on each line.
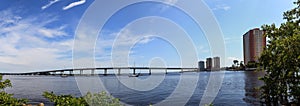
<point>237,88</point>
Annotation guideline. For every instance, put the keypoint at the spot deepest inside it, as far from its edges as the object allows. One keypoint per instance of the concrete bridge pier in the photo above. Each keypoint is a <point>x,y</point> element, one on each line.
<point>93,72</point>
<point>149,71</point>
<point>182,70</point>
<point>134,71</point>
<point>105,71</point>
<point>166,71</point>
<point>119,71</point>
<point>81,72</point>
<point>70,72</point>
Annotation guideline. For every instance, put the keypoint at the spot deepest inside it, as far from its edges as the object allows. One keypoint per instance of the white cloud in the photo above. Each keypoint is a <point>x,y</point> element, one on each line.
<point>224,7</point>
<point>171,2</point>
<point>86,50</point>
<point>202,49</point>
<point>146,39</point>
<point>49,4</point>
<point>74,4</point>
<point>123,39</point>
<point>128,37</point>
<point>51,33</point>
<point>23,47</point>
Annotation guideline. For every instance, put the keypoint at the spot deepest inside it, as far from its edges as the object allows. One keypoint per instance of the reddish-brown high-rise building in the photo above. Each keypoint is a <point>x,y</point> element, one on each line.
<point>209,63</point>
<point>253,44</point>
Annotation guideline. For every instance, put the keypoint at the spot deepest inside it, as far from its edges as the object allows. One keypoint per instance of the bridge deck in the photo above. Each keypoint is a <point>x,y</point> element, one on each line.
<point>102,68</point>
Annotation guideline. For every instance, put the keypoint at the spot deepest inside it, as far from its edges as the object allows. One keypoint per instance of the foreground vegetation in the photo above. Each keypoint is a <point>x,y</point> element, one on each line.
<point>281,61</point>
<point>97,99</point>
<point>8,99</point>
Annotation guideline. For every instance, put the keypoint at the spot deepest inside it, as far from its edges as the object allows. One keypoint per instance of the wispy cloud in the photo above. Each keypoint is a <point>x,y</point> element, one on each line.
<point>49,4</point>
<point>74,4</point>
<point>51,33</point>
<point>202,49</point>
<point>170,2</point>
<point>24,47</point>
<point>224,7</point>
<point>120,41</point>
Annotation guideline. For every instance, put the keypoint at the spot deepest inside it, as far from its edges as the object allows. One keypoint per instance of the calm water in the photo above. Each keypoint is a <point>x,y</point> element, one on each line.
<point>237,88</point>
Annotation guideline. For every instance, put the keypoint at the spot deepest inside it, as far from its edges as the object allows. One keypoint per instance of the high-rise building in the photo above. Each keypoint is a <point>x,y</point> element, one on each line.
<point>201,66</point>
<point>209,63</point>
<point>216,63</point>
<point>253,42</point>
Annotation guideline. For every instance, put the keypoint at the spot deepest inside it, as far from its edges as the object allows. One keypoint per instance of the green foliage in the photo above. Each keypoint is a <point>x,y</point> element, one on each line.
<point>8,99</point>
<point>235,62</point>
<point>97,99</point>
<point>5,83</point>
<point>252,64</point>
<point>209,104</point>
<point>281,61</point>
<point>101,99</point>
<point>65,100</point>
<point>242,65</point>
<point>236,66</point>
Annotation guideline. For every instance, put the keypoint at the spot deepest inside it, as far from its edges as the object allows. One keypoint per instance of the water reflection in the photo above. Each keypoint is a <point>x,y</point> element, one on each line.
<point>251,87</point>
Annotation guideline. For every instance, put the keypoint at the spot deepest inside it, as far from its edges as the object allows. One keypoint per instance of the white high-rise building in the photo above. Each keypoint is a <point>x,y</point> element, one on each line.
<point>216,63</point>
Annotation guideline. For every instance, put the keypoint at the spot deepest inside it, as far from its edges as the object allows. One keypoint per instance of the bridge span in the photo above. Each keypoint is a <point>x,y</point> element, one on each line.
<point>105,70</point>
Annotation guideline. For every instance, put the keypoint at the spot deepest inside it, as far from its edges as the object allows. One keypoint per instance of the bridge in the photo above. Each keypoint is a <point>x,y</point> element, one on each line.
<point>105,70</point>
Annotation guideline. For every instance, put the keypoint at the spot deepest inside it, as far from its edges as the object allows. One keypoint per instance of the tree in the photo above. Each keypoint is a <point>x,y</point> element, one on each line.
<point>235,62</point>
<point>242,66</point>
<point>281,61</point>
<point>252,64</point>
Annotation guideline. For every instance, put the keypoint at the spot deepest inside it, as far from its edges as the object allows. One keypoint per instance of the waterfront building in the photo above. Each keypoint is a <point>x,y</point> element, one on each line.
<point>201,66</point>
<point>216,63</point>
<point>208,63</point>
<point>253,44</point>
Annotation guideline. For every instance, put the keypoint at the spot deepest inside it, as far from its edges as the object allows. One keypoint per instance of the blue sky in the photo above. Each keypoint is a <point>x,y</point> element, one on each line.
<point>38,34</point>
